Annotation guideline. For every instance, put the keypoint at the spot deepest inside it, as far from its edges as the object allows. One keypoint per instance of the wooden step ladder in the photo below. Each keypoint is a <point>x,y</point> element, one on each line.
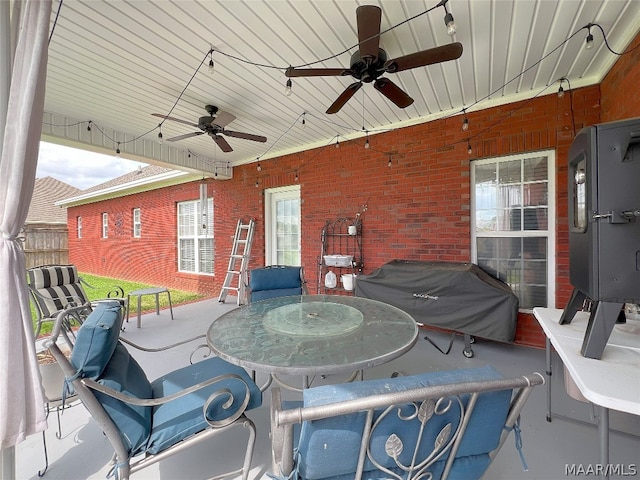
<point>238,262</point>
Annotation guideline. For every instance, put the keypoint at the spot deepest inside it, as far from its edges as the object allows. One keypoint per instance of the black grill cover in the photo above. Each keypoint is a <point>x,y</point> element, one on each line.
<point>455,296</point>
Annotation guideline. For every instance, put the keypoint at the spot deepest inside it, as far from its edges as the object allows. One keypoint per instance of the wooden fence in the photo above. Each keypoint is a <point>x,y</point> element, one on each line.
<point>45,244</point>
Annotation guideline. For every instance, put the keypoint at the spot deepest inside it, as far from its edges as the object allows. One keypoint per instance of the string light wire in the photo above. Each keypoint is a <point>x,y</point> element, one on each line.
<point>442,3</point>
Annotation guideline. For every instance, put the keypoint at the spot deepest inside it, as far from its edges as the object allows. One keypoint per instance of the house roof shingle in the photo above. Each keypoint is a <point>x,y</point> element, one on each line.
<point>46,192</point>
<point>136,175</point>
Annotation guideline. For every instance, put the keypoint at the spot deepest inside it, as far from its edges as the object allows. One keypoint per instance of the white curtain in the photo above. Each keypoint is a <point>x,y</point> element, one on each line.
<point>21,401</point>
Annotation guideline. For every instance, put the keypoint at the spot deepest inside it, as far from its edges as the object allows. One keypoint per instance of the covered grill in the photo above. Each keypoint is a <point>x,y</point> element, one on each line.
<point>456,296</point>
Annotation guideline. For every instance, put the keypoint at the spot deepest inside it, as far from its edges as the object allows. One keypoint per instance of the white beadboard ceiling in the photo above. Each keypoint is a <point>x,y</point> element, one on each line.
<point>116,62</point>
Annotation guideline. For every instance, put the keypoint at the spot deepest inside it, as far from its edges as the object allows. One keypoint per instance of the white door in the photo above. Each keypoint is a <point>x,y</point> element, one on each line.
<point>282,226</point>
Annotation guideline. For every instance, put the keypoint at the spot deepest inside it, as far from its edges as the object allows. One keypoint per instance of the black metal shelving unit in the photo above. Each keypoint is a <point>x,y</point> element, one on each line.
<point>339,238</point>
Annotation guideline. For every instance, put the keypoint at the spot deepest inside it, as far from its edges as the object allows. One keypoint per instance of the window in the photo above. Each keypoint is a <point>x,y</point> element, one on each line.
<point>195,237</point>
<point>105,225</point>
<point>137,226</point>
<point>79,226</point>
<point>513,224</point>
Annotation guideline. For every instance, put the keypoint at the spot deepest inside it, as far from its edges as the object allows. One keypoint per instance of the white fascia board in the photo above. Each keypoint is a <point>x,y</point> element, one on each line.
<point>174,177</point>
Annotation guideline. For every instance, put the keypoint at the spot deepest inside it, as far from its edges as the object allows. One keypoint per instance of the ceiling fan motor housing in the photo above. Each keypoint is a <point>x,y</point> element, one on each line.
<point>365,70</point>
<point>205,123</point>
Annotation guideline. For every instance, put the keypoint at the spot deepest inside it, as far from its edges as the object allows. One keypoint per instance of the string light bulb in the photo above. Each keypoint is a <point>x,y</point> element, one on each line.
<point>160,138</point>
<point>389,164</point>
<point>287,88</point>
<point>304,121</point>
<point>257,183</point>
<point>589,40</point>
<point>258,167</point>
<point>469,149</point>
<point>337,142</point>
<point>296,179</point>
<point>465,123</point>
<point>212,66</point>
<point>449,22</point>
<point>367,144</point>
<point>118,150</point>
<point>561,88</point>
<point>89,126</point>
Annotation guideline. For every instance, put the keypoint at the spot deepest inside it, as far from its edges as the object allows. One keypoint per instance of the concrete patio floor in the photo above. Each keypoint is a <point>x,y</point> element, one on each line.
<point>83,452</point>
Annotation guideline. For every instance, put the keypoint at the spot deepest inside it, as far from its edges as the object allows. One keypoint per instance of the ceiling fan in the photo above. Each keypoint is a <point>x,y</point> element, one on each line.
<point>213,125</point>
<point>370,62</point>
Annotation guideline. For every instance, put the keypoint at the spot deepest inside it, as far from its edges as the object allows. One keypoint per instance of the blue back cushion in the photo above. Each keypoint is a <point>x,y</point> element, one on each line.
<point>275,277</point>
<point>125,375</point>
<point>329,447</point>
<point>96,339</point>
<point>180,418</point>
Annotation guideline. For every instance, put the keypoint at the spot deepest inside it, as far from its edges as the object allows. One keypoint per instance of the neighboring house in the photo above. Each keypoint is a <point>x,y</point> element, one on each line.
<point>45,229</point>
<point>127,228</point>
<point>432,190</point>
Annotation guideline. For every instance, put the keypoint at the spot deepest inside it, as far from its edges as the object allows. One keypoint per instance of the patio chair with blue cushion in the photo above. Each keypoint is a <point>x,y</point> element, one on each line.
<point>438,425</point>
<point>56,287</point>
<point>276,281</point>
<point>151,420</point>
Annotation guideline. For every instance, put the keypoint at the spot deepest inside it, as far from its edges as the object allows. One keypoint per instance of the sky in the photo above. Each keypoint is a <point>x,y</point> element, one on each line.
<point>80,168</point>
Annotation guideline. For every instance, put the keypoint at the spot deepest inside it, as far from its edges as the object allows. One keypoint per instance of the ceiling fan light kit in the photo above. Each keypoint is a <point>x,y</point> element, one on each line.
<point>370,62</point>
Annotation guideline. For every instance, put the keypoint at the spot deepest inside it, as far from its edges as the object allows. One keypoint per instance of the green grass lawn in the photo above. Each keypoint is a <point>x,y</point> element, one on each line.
<point>101,286</point>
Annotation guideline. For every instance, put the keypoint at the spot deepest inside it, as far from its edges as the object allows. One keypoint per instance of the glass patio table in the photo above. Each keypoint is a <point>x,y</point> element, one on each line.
<point>312,334</point>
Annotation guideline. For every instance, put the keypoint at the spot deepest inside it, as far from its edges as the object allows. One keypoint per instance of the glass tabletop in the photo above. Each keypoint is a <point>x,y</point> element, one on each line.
<point>312,334</point>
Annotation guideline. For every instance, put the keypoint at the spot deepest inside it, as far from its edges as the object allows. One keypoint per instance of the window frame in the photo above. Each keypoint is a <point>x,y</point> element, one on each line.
<point>105,225</point>
<point>136,223</point>
<point>549,233</point>
<point>197,235</point>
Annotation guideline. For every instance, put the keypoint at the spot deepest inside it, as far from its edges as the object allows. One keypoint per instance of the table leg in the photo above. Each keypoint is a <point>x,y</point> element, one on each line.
<point>547,345</point>
<point>170,306</point>
<point>139,308</point>
<point>603,430</point>
<point>157,304</point>
<point>128,306</point>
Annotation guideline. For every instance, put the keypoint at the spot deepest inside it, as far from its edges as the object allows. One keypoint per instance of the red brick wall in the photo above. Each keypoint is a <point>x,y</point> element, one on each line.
<point>151,258</point>
<point>620,97</point>
<point>419,208</point>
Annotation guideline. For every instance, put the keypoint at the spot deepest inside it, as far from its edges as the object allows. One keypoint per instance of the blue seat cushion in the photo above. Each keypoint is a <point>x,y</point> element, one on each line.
<point>180,418</point>
<point>275,277</point>
<point>328,448</point>
<point>280,292</point>
<point>125,375</point>
<point>96,339</point>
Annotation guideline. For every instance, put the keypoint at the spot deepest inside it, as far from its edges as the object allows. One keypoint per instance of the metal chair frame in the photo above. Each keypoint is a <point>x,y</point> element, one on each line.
<point>123,465</point>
